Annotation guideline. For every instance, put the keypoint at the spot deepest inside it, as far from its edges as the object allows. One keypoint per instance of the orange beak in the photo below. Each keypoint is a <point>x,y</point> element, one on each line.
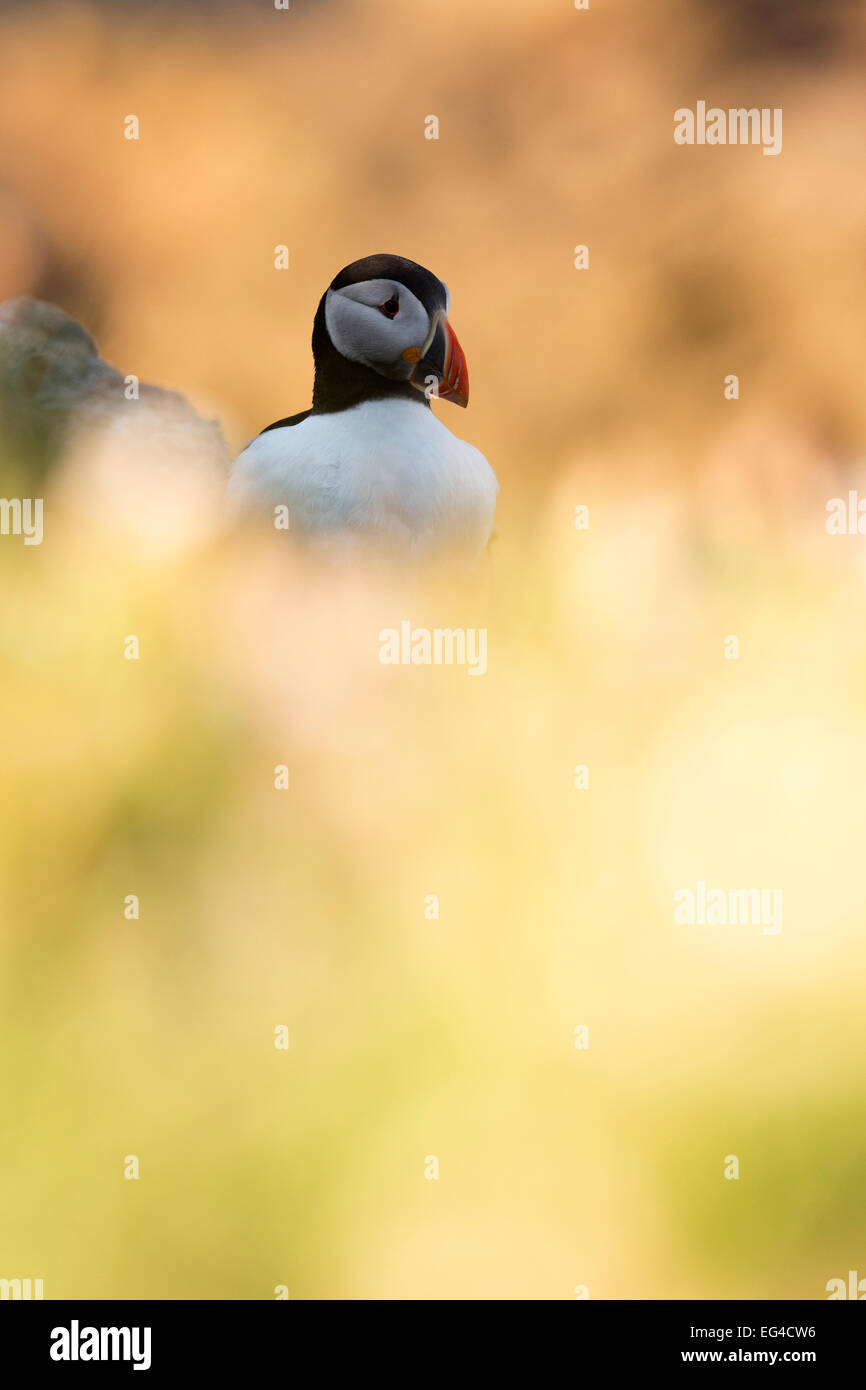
<point>454,383</point>
<point>440,361</point>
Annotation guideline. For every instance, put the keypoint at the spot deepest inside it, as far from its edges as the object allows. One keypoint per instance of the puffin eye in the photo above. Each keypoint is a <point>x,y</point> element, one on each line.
<point>391,307</point>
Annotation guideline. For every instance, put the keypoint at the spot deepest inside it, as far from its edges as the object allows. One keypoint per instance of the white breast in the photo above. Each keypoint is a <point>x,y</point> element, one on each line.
<point>387,472</point>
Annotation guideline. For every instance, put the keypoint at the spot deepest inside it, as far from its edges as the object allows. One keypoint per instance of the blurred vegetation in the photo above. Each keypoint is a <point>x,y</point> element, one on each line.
<point>452,1037</point>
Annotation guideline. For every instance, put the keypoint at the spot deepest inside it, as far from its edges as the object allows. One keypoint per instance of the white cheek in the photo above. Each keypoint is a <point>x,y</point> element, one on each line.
<point>364,334</point>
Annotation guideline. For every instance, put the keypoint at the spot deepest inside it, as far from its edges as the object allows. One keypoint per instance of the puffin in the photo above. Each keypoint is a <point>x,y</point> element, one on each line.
<point>369,467</point>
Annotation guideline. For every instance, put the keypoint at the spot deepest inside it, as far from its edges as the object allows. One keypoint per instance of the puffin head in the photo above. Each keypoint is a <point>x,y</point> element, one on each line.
<point>382,329</point>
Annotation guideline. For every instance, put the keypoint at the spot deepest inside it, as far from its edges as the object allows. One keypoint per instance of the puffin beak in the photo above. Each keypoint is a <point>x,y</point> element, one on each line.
<point>441,361</point>
<point>454,383</point>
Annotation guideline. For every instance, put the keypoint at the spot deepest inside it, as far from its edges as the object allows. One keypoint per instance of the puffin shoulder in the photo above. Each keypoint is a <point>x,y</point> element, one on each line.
<point>273,464</point>
<point>287,422</point>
